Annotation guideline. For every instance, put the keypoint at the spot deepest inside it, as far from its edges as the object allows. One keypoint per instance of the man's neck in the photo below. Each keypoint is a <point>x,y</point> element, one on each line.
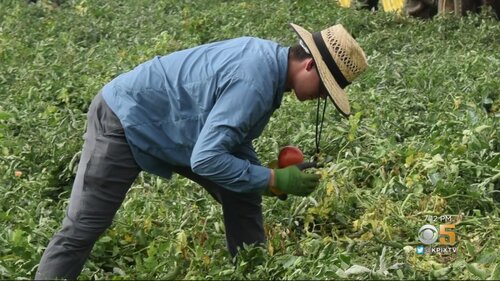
<point>294,68</point>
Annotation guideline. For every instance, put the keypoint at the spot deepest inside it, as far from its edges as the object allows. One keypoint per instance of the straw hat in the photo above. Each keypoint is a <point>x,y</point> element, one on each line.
<point>339,60</point>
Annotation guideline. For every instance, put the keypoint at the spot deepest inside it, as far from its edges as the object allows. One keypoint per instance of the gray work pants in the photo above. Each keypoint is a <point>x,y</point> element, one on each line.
<point>105,173</point>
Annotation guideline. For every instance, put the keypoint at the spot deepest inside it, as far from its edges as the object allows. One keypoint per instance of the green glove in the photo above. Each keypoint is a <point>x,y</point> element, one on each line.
<point>292,180</point>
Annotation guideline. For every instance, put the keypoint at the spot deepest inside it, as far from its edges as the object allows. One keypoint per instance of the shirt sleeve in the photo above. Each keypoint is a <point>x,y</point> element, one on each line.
<point>239,107</point>
<point>246,151</point>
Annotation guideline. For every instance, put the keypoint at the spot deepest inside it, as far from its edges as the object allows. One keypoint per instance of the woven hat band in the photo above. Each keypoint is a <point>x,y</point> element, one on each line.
<point>329,61</point>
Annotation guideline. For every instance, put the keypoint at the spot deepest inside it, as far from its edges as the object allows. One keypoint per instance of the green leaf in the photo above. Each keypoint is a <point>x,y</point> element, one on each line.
<point>487,257</point>
<point>400,274</point>
<point>5,115</point>
<point>105,239</point>
<point>476,271</point>
<point>495,275</point>
<point>470,248</point>
<point>17,237</point>
<point>290,261</point>
<point>357,269</point>
<point>438,273</point>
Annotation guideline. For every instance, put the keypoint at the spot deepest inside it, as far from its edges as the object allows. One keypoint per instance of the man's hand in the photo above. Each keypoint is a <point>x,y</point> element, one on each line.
<point>291,180</point>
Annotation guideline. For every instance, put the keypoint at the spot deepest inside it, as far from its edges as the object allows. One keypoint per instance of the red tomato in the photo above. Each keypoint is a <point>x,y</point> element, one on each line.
<point>290,155</point>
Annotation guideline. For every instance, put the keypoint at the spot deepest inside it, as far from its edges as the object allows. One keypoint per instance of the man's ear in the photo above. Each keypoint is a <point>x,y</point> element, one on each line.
<point>309,64</point>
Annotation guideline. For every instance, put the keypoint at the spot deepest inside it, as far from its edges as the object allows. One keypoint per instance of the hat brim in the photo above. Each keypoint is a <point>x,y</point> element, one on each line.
<point>335,92</point>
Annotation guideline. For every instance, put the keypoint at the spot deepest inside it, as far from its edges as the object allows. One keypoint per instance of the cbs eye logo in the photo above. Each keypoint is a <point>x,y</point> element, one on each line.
<point>428,234</point>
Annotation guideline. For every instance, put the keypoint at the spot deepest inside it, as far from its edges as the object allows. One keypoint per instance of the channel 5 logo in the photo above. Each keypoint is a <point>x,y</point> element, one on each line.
<point>428,234</point>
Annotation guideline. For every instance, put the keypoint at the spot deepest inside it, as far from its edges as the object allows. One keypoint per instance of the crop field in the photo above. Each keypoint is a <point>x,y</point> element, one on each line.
<point>422,146</point>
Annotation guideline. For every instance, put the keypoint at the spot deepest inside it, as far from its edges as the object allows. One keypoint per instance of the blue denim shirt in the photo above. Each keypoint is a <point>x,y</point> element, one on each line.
<point>202,107</point>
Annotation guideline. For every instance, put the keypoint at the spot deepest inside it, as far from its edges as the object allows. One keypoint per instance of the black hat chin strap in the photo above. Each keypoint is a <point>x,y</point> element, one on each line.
<point>319,127</point>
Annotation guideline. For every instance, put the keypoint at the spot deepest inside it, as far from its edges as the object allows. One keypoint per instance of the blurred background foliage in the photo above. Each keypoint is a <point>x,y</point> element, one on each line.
<point>424,140</point>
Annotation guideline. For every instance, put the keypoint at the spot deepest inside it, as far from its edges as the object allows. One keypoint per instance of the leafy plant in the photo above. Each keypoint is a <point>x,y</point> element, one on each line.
<point>424,140</point>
